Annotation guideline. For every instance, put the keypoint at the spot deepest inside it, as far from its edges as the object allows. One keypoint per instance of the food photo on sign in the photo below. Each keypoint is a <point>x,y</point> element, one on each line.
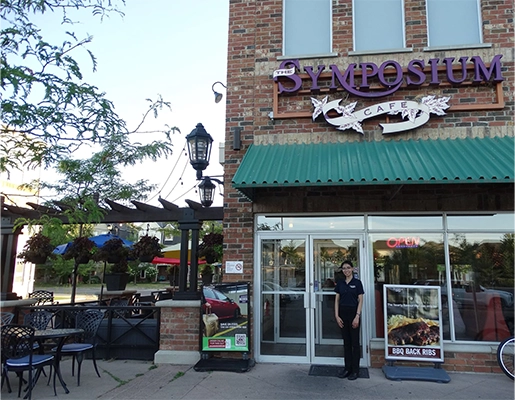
<point>413,322</point>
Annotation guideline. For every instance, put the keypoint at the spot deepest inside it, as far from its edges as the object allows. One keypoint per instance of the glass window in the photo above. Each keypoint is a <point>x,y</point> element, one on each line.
<point>412,222</point>
<point>453,22</point>
<point>409,259</point>
<point>482,285</point>
<point>499,222</point>
<point>387,18</point>
<point>310,224</point>
<point>307,27</point>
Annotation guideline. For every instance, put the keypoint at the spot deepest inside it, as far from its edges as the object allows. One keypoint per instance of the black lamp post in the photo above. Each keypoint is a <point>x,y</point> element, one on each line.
<point>199,151</point>
<point>199,148</point>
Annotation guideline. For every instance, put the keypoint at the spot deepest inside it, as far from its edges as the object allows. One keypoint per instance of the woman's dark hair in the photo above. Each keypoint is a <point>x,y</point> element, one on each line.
<point>347,262</point>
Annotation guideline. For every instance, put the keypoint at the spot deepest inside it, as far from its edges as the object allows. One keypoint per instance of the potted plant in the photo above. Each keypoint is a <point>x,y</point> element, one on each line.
<point>173,275</point>
<point>211,247</point>
<point>37,249</point>
<point>81,249</point>
<point>117,278</point>
<point>146,248</point>
<point>113,251</point>
<point>206,271</point>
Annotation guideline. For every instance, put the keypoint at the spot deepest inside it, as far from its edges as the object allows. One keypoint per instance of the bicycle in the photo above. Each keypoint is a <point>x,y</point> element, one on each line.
<point>506,356</point>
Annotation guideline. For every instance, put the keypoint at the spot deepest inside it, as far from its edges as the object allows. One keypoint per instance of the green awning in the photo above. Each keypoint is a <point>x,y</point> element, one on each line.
<point>478,160</point>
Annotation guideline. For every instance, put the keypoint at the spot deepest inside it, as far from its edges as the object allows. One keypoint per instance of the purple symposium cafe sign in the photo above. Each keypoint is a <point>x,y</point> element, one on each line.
<point>415,74</point>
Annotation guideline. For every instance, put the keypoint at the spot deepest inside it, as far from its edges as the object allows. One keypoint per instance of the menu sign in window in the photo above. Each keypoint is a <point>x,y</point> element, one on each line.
<point>413,326</point>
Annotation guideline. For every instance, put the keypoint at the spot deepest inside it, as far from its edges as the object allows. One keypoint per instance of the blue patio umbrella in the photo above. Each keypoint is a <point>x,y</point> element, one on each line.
<point>99,241</point>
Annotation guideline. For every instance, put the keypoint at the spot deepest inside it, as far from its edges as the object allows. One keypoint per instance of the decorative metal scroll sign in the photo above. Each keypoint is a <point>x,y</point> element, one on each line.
<point>416,113</point>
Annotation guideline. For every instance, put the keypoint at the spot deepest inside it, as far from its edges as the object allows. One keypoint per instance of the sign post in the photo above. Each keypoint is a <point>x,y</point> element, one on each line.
<point>413,331</point>
<point>225,327</point>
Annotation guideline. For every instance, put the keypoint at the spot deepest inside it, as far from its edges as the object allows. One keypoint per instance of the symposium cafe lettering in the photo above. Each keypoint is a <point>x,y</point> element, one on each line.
<point>356,78</point>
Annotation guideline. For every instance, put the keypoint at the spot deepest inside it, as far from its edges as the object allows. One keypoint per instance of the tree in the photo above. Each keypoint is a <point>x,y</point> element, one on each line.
<point>48,111</point>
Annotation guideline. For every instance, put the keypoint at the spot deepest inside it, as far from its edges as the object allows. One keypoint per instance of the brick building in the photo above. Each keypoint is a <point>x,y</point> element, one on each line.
<point>381,132</point>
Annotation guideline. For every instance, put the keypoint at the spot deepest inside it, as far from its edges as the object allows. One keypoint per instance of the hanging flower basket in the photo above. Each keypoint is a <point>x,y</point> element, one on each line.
<point>37,249</point>
<point>146,248</point>
<point>81,249</point>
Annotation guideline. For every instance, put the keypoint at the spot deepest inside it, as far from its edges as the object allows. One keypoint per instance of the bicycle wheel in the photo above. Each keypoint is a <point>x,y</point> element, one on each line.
<point>506,356</point>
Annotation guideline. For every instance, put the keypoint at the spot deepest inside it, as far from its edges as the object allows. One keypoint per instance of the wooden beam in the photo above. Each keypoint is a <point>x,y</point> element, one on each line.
<point>117,206</point>
<point>167,205</point>
<point>145,207</point>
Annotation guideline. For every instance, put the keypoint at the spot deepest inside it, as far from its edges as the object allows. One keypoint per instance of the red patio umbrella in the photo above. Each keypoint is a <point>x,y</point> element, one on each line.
<point>172,261</point>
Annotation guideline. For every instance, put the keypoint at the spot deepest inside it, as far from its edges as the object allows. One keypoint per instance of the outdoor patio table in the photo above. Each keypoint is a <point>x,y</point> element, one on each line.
<point>59,336</point>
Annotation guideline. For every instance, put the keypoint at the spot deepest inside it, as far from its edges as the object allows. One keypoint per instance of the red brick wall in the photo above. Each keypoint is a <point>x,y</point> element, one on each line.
<point>255,42</point>
<point>180,327</point>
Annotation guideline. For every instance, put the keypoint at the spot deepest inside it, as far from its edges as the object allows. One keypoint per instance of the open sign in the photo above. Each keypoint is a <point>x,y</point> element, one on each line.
<point>403,242</point>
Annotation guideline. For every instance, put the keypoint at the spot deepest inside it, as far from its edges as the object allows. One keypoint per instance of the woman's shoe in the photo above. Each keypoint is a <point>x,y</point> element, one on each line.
<point>343,373</point>
<point>353,377</point>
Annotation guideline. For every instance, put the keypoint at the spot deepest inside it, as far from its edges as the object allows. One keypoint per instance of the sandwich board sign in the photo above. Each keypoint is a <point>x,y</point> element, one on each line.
<point>413,326</point>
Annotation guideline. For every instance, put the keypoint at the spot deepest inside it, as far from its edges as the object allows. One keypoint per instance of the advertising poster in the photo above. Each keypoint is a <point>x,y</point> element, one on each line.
<point>413,326</point>
<point>225,324</point>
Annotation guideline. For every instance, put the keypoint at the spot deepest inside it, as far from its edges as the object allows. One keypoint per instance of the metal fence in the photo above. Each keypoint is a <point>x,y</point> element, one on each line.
<point>126,332</point>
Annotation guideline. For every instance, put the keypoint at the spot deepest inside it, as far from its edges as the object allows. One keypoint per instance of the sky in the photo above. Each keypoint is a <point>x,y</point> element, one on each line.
<point>173,48</point>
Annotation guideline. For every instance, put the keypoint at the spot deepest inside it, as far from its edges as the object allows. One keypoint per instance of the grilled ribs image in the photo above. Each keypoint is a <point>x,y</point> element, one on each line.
<point>417,333</point>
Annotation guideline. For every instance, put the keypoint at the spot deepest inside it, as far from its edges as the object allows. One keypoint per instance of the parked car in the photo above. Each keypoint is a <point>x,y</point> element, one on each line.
<point>463,294</point>
<point>218,303</point>
<point>269,286</point>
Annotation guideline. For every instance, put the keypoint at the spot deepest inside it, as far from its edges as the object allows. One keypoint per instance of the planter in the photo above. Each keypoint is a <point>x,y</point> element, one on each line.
<point>82,260</point>
<point>116,281</point>
<point>114,259</point>
<point>146,258</point>
<point>207,279</point>
<point>37,260</point>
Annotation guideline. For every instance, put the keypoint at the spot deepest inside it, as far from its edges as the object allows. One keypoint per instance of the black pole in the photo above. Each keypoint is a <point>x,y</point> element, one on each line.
<point>188,222</point>
<point>74,280</point>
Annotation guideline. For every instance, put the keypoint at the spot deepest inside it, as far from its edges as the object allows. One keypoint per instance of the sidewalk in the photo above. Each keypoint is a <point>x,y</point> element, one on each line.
<point>130,379</point>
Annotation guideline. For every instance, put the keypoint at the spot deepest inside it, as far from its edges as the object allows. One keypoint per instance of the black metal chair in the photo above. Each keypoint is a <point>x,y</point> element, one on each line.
<point>6,318</point>
<point>44,297</point>
<point>89,321</point>
<point>18,355</point>
<point>120,302</point>
<point>39,319</point>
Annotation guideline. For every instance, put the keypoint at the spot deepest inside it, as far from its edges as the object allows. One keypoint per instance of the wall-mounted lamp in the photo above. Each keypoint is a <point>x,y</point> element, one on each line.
<point>218,96</point>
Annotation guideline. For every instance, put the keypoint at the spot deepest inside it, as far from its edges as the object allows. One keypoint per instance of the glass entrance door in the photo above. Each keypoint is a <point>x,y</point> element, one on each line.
<point>296,306</point>
<point>327,256</point>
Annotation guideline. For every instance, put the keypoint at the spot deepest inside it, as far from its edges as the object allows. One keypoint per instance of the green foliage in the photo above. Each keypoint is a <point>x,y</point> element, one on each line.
<point>212,247</point>
<point>48,111</point>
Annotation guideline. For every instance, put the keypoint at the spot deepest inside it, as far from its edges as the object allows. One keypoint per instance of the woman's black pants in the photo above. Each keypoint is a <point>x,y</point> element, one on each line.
<point>351,347</point>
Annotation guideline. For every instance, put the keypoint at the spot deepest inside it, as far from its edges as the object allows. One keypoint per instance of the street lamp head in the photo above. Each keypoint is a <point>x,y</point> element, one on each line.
<point>206,191</point>
<point>199,148</point>
<point>218,96</point>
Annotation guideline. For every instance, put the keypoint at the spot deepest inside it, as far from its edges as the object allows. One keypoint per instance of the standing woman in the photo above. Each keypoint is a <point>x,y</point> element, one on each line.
<point>348,303</point>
